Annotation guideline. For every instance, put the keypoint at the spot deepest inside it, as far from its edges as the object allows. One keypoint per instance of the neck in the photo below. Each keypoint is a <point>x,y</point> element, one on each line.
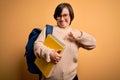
<point>64,27</point>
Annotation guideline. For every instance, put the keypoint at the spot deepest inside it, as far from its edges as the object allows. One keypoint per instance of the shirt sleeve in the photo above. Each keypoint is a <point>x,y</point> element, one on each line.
<point>40,49</point>
<point>86,41</point>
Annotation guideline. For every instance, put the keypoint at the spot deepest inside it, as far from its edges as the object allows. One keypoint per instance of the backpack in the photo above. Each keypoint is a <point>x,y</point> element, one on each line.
<point>29,53</point>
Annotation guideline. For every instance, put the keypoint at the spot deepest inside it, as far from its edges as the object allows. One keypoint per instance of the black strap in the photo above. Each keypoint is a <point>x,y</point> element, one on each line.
<point>75,78</point>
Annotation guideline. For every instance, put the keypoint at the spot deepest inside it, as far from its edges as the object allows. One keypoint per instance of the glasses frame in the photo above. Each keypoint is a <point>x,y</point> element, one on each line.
<point>63,15</point>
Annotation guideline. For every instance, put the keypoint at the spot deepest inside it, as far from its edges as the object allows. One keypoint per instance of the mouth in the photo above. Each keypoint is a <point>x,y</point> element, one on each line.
<point>62,22</point>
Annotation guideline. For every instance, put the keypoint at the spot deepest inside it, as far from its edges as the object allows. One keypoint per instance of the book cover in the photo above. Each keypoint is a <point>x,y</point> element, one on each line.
<point>51,42</point>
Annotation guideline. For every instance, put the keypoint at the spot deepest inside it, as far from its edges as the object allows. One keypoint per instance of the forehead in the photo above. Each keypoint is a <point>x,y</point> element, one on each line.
<point>65,11</point>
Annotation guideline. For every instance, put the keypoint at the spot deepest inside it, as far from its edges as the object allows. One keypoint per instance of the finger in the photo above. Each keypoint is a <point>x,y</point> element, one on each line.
<point>47,58</point>
<point>37,54</point>
<point>68,36</point>
<point>59,55</point>
<point>58,58</point>
<point>71,33</point>
<point>56,61</point>
<point>58,51</point>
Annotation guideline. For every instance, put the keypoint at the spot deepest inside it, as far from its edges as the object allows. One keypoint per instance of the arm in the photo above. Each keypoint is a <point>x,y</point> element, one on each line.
<point>86,41</point>
<point>83,39</point>
<point>40,50</point>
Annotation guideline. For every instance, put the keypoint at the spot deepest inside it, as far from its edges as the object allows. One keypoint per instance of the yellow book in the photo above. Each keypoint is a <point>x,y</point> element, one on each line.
<point>52,43</point>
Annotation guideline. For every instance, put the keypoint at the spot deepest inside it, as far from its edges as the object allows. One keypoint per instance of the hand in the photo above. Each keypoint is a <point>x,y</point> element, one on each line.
<point>55,56</point>
<point>74,35</point>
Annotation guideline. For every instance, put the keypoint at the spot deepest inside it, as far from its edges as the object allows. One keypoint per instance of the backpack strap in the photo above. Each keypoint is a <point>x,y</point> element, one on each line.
<point>34,31</point>
<point>49,29</point>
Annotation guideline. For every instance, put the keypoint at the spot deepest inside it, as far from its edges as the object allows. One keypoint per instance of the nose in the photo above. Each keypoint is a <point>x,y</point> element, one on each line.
<point>62,18</point>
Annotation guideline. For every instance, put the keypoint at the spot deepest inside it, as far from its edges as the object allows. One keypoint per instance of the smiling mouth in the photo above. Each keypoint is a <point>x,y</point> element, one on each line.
<point>61,22</point>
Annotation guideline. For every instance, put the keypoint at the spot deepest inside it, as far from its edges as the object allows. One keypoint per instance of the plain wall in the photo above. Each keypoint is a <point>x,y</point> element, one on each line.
<point>100,18</point>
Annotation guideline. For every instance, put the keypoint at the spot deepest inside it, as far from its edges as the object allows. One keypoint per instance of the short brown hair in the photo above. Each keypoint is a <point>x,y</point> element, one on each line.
<point>59,9</point>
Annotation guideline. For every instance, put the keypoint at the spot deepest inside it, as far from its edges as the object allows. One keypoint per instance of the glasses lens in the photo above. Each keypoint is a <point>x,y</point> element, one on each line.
<point>64,16</point>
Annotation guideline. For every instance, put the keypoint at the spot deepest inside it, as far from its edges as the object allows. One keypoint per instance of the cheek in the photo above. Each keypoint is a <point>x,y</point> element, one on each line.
<point>68,21</point>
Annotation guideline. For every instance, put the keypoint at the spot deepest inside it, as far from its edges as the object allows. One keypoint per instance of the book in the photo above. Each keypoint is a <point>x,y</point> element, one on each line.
<point>46,67</point>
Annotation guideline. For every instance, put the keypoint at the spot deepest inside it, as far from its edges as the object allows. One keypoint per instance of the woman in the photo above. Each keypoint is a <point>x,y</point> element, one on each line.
<point>65,64</point>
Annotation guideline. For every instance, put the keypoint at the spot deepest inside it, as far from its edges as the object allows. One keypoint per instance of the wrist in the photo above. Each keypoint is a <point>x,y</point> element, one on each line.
<point>80,35</point>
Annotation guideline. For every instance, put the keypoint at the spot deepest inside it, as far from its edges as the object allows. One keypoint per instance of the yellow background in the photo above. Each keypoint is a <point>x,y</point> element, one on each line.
<point>101,18</point>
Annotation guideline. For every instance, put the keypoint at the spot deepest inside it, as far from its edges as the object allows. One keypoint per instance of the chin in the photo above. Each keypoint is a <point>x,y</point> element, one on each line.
<point>63,26</point>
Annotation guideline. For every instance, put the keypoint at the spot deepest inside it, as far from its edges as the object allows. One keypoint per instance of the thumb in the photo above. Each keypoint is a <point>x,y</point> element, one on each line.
<point>58,51</point>
<point>48,58</point>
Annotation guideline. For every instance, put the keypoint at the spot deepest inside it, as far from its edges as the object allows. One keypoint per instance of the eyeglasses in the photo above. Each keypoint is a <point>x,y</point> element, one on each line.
<point>64,16</point>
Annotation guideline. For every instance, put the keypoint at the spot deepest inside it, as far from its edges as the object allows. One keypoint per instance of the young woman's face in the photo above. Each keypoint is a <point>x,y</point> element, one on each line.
<point>63,20</point>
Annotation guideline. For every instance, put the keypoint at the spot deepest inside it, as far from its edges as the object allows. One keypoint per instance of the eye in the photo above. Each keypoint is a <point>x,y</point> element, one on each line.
<point>62,15</point>
<point>65,15</point>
